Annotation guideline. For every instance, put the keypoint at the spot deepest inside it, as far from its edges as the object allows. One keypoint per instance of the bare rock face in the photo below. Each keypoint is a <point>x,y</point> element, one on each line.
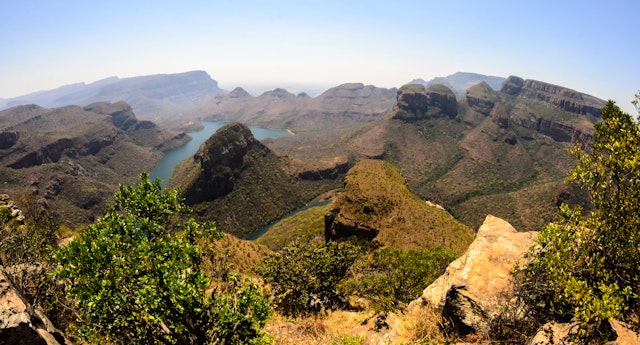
<point>512,85</point>
<point>20,323</point>
<point>561,97</point>
<point>414,103</point>
<point>8,139</point>
<point>474,286</point>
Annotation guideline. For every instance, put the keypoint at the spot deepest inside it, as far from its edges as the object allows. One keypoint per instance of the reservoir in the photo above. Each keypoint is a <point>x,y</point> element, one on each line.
<point>171,158</point>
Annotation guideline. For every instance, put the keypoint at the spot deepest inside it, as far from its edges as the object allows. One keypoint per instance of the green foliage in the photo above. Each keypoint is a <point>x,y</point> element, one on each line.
<point>392,277</point>
<point>136,280</point>
<point>303,276</point>
<point>588,268</point>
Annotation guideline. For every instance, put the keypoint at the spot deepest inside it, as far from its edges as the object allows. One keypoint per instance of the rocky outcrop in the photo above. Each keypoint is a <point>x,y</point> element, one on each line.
<point>8,139</point>
<point>512,86</point>
<point>20,323</point>
<point>327,173</point>
<point>557,131</point>
<point>615,332</point>
<point>474,286</point>
<point>414,103</point>
<point>475,100</point>
<point>13,211</point>
<point>47,154</point>
<point>220,161</point>
<point>558,96</point>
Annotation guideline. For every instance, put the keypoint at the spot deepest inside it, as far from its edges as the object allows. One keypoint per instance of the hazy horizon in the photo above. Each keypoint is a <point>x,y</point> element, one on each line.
<point>586,46</point>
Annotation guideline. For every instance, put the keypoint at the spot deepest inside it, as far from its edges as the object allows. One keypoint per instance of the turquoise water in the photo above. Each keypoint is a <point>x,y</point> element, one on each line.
<point>171,158</point>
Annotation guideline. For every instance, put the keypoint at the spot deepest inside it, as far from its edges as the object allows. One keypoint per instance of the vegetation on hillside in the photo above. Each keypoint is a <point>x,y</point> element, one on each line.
<point>586,269</point>
<point>136,277</point>
<point>376,196</point>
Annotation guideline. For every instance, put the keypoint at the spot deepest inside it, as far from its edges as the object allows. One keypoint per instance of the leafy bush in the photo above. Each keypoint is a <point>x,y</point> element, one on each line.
<point>303,276</point>
<point>588,268</point>
<point>392,277</point>
<point>136,280</point>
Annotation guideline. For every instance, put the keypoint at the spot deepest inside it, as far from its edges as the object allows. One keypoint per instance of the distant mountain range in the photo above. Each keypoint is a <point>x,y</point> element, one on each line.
<point>459,82</point>
<point>160,97</point>
<point>166,98</point>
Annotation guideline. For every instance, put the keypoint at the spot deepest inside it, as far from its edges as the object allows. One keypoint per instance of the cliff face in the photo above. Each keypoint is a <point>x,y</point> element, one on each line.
<point>414,103</point>
<point>558,96</point>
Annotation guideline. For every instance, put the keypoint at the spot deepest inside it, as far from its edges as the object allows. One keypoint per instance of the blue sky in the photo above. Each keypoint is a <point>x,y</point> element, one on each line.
<point>589,46</point>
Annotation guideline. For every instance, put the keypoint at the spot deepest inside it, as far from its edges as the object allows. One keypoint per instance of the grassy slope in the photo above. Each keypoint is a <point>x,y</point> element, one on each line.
<point>376,195</point>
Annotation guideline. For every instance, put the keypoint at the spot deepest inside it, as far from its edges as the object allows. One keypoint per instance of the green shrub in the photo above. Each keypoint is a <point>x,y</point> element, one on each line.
<point>136,280</point>
<point>587,268</point>
<point>391,277</point>
<point>303,276</point>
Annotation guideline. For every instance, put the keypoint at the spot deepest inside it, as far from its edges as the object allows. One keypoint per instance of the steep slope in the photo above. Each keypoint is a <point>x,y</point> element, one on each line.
<point>71,159</point>
<point>377,205</point>
<point>241,184</point>
<point>159,97</point>
<point>344,105</point>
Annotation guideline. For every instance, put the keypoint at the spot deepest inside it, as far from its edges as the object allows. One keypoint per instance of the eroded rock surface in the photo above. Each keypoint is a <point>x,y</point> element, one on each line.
<point>474,286</point>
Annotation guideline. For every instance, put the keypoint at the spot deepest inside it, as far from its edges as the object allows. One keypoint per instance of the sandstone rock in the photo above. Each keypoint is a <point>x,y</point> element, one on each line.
<point>414,103</point>
<point>20,323</point>
<point>474,286</point>
<point>552,333</point>
<point>512,85</point>
<point>563,98</point>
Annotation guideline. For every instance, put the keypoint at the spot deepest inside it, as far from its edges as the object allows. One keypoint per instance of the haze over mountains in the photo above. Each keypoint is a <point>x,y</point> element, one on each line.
<point>152,97</point>
<point>500,148</point>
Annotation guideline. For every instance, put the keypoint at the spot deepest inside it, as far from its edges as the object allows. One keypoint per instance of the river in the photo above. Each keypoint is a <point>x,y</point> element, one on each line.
<point>171,158</point>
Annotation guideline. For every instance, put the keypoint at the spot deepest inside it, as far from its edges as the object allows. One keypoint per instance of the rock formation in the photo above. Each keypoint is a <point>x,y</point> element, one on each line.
<point>220,161</point>
<point>473,287</point>
<point>20,323</point>
<point>558,96</point>
<point>414,103</point>
<point>13,211</point>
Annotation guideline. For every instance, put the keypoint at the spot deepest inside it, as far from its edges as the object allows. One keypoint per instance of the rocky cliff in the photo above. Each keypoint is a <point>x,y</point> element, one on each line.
<point>558,96</point>
<point>414,103</point>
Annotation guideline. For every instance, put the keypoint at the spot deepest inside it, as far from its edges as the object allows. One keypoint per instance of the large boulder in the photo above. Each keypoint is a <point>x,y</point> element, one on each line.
<point>20,323</point>
<point>473,287</point>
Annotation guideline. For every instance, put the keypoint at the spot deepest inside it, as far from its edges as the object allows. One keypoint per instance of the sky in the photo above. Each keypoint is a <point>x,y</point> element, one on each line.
<point>588,46</point>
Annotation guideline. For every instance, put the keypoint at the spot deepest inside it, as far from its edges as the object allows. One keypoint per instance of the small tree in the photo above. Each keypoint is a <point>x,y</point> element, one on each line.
<point>303,276</point>
<point>136,277</point>
<point>588,268</point>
